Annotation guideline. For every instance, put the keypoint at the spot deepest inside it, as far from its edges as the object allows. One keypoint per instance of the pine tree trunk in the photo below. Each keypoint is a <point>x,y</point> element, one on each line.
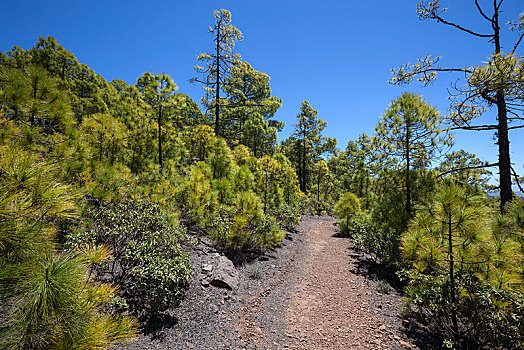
<point>160,161</point>
<point>304,180</point>
<point>217,92</point>
<point>506,193</point>
<point>453,300</point>
<point>408,185</point>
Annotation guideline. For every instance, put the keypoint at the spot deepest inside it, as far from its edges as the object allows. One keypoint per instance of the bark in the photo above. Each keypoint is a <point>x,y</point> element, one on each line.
<point>506,193</point>
<point>160,161</point>
<point>454,321</point>
<point>304,175</point>
<point>408,185</point>
<point>217,92</point>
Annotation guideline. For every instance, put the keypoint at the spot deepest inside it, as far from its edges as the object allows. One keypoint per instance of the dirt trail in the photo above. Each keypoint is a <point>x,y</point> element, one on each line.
<point>320,302</point>
<point>331,305</point>
<point>314,292</point>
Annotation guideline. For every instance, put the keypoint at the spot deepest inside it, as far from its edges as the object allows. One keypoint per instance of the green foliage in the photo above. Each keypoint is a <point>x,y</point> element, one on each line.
<point>269,232</point>
<point>409,133</point>
<point>158,92</point>
<point>463,273</point>
<point>380,243</point>
<point>199,200</point>
<point>268,169</point>
<point>49,298</point>
<point>219,196</point>
<point>307,145</point>
<point>31,96</point>
<point>250,108</point>
<point>139,159</point>
<point>466,169</point>
<point>149,263</point>
<point>352,170</point>
<point>247,214</point>
<point>347,207</point>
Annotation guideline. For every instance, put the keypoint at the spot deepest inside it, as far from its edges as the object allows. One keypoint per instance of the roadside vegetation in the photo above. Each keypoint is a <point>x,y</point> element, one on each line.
<point>100,181</point>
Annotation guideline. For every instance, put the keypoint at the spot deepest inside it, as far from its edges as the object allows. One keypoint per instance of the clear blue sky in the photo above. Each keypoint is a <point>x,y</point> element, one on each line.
<point>336,54</point>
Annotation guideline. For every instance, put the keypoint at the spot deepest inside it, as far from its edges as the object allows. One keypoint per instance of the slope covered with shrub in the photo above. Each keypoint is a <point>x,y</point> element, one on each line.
<point>100,180</point>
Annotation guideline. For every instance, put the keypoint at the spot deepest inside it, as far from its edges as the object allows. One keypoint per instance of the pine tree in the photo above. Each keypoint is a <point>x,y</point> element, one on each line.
<point>307,144</point>
<point>158,92</point>
<point>495,83</point>
<point>50,300</point>
<point>410,133</point>
<point>218,64</point>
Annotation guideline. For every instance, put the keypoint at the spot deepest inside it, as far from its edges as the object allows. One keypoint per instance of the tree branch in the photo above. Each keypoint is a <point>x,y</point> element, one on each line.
<point>516,176</point>
<point>440,19</point>
<point>467,168</point>
<point>517,43</point>
<point>482,12</point>
<point>499,5</point>
<point>464,70</point>
<point>475,127</point>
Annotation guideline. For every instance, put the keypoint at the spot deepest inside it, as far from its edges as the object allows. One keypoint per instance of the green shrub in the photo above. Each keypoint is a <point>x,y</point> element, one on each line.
<point>347,207</point>
<point>244,226</point>
<point>221,224</point>
<point>464,273</point>
<point>287,215</point>
<point>150,266</point>
<point>269,233</point>
<point>198,198</point>
<point>49,299</point>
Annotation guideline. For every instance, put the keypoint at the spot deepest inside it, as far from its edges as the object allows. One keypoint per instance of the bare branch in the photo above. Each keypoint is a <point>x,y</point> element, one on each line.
<point>499,5</point>
<point>434,15</point>
<point>516,176</point>
<point>464,70</point>
<point>517,43</point>
<point>482,12</point>
<point>467,168</point>
<point>475,127</point>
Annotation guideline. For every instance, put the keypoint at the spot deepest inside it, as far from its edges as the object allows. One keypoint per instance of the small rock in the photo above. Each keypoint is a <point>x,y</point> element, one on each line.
<point>214,308</point>
<point>404,344</point>
<point>207,268</point>
<point>225,274</point>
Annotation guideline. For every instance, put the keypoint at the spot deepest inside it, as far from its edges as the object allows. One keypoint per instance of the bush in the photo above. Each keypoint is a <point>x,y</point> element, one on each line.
<point>150,266</point>
<point>198,197</point>
<point>347,207</point>
<point>49,299</point>
<point>245,226</point>
<point>381,244</point>
<point>269,233</point>
<point>464,273</point>
<point>287,216</point>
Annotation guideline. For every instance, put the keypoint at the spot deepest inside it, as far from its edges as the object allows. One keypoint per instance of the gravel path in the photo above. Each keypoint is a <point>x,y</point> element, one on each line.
<point>332,308</point>
<point>311,293</point>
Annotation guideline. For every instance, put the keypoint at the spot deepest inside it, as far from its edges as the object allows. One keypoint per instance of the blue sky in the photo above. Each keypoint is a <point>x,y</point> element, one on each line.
<point>336,54</point>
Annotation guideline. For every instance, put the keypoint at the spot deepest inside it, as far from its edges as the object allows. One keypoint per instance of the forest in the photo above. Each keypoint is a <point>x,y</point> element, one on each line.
<point>101,181</point>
